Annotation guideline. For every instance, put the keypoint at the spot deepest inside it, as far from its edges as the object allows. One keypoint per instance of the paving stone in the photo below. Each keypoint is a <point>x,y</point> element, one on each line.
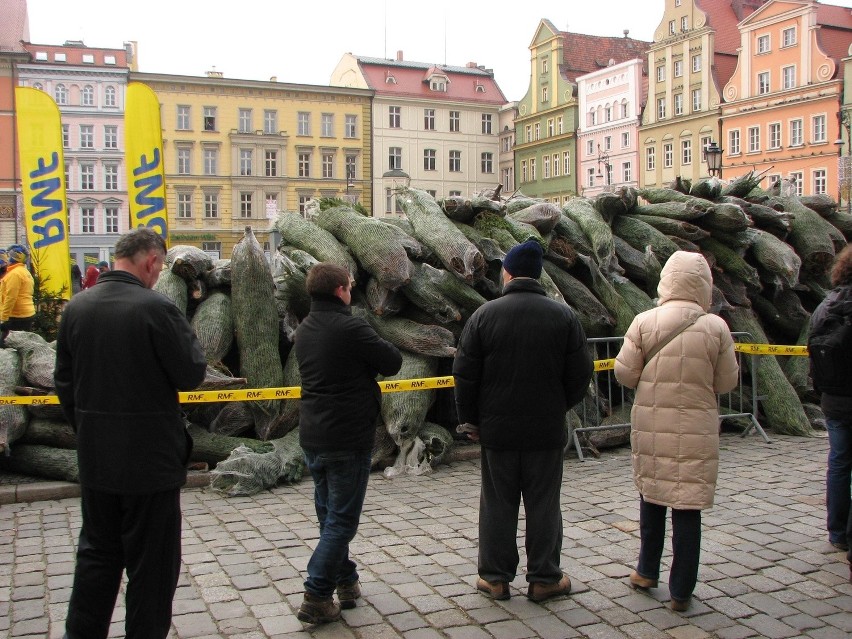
<point>769,627</point>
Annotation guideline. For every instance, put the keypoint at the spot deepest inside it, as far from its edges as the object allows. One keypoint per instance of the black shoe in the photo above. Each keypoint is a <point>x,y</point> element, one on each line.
<point>840,545</point>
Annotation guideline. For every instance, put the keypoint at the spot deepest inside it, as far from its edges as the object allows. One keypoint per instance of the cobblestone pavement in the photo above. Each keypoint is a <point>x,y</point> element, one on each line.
<point>767,568</point>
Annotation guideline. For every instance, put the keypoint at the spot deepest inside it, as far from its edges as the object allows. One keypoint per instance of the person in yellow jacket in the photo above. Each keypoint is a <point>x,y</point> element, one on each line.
<point>16,294</point>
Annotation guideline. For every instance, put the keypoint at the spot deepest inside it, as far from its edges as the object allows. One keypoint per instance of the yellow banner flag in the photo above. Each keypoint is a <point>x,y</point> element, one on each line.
<point>146,175</point>
<point>43,176</point>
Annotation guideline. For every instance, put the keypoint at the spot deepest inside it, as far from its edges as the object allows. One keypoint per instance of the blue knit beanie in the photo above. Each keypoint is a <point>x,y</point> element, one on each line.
<point>524,260</point>
<point>18,253</point>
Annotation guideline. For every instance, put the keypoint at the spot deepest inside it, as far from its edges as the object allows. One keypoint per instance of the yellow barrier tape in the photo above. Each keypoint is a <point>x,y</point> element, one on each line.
<point>394,386</point>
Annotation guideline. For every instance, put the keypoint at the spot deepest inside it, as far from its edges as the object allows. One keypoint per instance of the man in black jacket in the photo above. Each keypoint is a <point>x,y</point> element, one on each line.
<point>521,364</point>
<point>339,358</point>
<point>122,354</point>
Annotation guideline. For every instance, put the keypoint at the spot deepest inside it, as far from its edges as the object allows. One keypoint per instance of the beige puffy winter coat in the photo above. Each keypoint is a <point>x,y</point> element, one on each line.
<point>675,419</point>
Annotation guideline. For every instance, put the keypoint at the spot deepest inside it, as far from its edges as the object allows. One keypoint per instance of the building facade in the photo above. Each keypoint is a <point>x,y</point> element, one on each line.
<point>548,116</point>
<point>238,151</point>
<point>780,115</point>
<point>438,124</point>
<point>610,106</point>
<point>508,114</point>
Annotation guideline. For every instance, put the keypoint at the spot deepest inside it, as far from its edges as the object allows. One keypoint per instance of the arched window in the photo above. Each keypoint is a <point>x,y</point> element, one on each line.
<point>109,97</point>
<point>625,109</point>
<point>591,119</point>
<point>60,94</point>
<point>87,97</point>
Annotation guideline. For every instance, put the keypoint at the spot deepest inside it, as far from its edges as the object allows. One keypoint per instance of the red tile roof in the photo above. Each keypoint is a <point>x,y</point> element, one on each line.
<point>411,80</point>
<point>723,17</point>
<point>586,53</point>
<point>14,25</point>
<point>74,53</point>
<point>830,14</point>
<point>835,33</point>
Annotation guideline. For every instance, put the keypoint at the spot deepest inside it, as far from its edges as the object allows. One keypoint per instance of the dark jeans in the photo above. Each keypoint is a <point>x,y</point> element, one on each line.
<point>686,546</point>
<point>837,480</point>
<point>508,476</point>
<point>340,484</point>
<point>140,533</point>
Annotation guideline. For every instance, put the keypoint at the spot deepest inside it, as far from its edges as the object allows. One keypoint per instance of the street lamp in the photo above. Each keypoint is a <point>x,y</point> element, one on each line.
<point>844,163</point>
<point>603,158</point>
<point>713,157</point>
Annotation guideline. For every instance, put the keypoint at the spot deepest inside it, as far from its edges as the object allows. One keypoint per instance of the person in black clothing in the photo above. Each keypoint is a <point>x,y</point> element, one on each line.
<point>521,364</point>
<point>339,357</point>
<point>831,377</point>
<point>122,354</point>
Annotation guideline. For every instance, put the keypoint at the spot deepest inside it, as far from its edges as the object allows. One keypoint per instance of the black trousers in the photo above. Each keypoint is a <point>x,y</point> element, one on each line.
<point>140,533</point>
<point>686,546</point>
<point>507,477</point>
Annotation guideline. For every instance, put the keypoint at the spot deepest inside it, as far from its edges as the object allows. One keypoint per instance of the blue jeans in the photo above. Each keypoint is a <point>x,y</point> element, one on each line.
<point>340,485</point>
<point>837,478</point>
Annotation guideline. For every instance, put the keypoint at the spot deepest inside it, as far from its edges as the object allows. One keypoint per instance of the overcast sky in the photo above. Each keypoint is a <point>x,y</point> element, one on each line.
<point>303,41</point>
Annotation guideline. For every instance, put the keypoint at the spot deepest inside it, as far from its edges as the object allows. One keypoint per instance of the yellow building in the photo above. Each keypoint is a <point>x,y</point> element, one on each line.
<point>238,151</point>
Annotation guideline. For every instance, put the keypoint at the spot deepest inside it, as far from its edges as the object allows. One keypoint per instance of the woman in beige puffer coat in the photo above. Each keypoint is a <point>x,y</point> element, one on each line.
<point>675,418</point>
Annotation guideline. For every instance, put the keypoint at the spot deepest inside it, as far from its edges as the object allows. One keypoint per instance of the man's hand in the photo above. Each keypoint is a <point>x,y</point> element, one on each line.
<point>471,430</point>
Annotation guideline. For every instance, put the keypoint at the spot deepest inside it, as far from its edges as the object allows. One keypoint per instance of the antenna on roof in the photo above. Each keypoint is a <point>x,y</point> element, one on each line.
<point>445,35</point>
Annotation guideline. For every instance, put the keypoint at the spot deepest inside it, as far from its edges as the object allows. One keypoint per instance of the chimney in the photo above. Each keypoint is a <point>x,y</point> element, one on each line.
<point>471,65</point>
<point>273,78</point>
<point>399,55</point>
<point>626,32</point>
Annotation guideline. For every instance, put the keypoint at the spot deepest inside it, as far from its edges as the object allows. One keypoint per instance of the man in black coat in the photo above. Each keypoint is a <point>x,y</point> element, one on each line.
<point>339,357</point>
<point>122,354</point>
<point>521,364</point>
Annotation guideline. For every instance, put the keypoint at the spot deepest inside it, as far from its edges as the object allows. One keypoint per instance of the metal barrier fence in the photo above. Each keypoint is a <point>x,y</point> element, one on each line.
<point>734,404</point>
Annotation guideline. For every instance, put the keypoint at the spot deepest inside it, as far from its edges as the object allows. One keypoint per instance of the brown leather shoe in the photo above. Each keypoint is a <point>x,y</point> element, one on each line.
<point>348,593</point>
<point>539,591</point>
<point>316,610</point>
<point>680,605</point>
<point>498,590</point>
<point>638,581</point>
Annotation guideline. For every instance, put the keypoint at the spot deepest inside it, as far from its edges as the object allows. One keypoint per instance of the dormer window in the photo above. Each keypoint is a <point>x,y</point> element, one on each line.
<point>438,85</point>
<point>389,79</point>
<point>480,88</point>
<point>41,55</point>
<point>436,79</point>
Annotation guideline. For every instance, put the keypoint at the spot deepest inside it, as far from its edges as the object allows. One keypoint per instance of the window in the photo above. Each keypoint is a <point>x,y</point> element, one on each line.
<point>705,142</point>
<point>661,73</point>
<point>184,166</point>
<point>678,104</point>
<point>110,137</point>
<point>734,142</point>
<point>556,165</point>
<point>788,37</point>
<point>455,193</point>
<point>211,205</point>
<point>686,151</point>
<point>566,163</point>
<point>110,177</point>
<point>244,119</point>
<point>550,127</point>
<point>109,59</point>
<point>67,174</point>
<point>304,164</point>
<point>668,155</point>
<point>184,205</point>
<point>763,44</point>
<point>796,132</point>
<point>650,158</point>
<point>788,77</point>
<point>394,158</point>
<point>529,132</point>
<point>245,205</point>
<point>328,165</point>
<point>626,172</point>
<point>429,119</point>
<point>211,160</point>
<point>506,144</point>
<point>66,136</point>
<point>455,161</point>
<point>545,166</point>
<point>246,161</point>
<point>508,179</point>
<point>327,125</point>
<point>303,120</point>
<point>87,136</point>
<point>532,169</point>
<point>486,125</point>
<point>60,94</point>
<point>111,219</point>
<point>819,182</point>
<point>590,147</point>
<point>798,182</point>
<point>592,120</point>
<point>429,160</point>
<point>774,131</point>
<point>544,94</point>
<point>590,177</point>
<point>440,85</point>
<point>818,128</point>
<point>87,96</point>
<point>270,163</point>
<point>696,63</point>
<point>544,65</point>
<point>523,170</point>
<point>183,118</point>
<point>671,27</point>
<point>455,121</point>
<point>696,99</point>
<point>109,96</point>
<point>625,109</point>
<point>303,203</point>
<point>607,143</point>
<point>607,113</point>
<point>753,139</point>
<point>678,68</point>
<point>661,108</point>
<point>625,139</point>
<point>87,219</point>
<point>394,117</point>
<point>270,121</point>
<point>209,118</point>
<point>763,83</point>
<point>350,126</point>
